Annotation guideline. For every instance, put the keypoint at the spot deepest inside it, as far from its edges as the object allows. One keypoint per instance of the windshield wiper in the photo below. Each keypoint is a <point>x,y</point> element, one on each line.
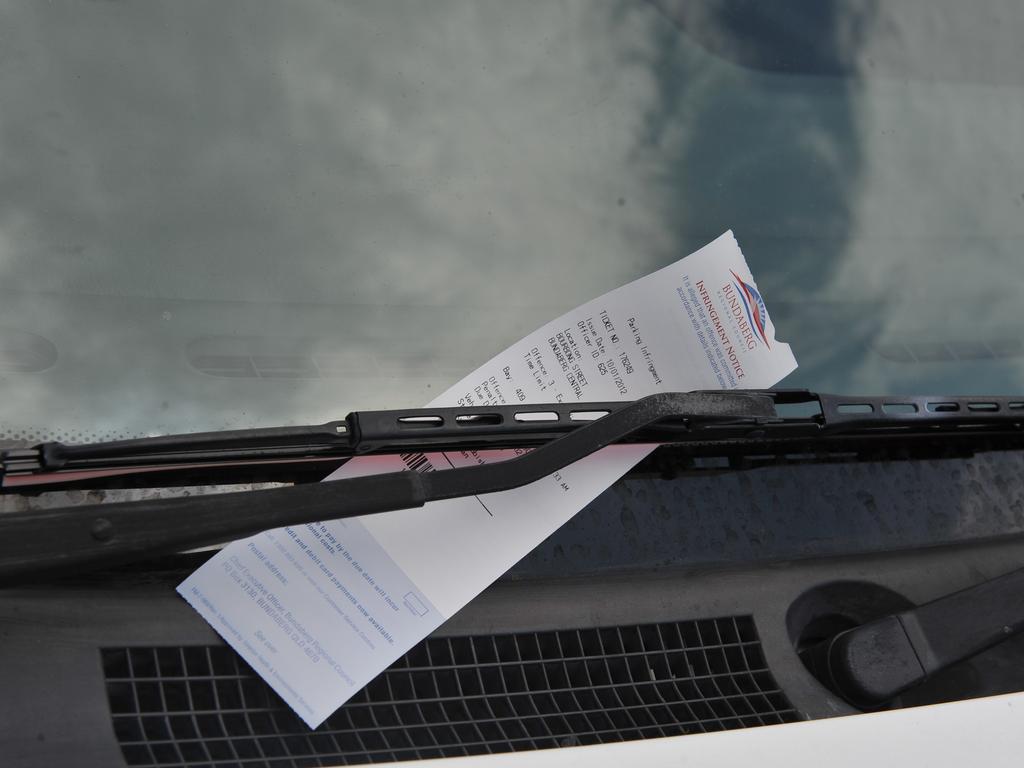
<point>478,428</point>
<point>106,534</point>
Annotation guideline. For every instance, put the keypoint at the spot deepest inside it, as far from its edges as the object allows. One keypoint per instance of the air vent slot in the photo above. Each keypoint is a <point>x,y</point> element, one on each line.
<point>899,409</point>
<point>587,415</point>
<point>420,422</point>
<point>855,408</point>
<point>479,420</point>
<point>525,416</point>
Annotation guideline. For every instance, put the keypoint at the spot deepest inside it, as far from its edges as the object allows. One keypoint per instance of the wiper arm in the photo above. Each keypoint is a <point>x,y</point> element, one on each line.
<point>871,664</point>
<point>105,534</point>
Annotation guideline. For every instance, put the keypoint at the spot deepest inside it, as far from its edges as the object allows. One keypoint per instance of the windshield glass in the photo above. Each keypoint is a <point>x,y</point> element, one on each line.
<point>246,213</point>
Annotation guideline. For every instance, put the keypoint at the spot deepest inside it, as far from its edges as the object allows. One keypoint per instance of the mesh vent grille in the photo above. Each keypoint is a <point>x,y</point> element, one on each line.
<point>201,705</point>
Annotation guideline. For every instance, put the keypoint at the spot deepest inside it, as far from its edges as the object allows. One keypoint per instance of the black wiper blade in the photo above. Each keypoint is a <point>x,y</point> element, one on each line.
<point>426,429</point>
<point>92,536</point>
<point>99,535</point>
<point>359,433</point>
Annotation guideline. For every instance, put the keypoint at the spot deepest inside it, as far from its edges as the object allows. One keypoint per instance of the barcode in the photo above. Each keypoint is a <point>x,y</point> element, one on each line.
<point>417,462</point>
